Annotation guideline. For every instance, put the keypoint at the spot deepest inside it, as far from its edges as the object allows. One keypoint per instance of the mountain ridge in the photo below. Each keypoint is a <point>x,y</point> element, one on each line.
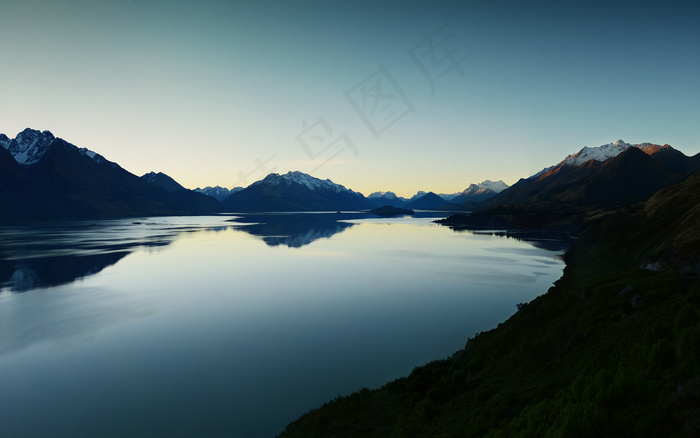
<point>55,179</point>
<point>294,191</point>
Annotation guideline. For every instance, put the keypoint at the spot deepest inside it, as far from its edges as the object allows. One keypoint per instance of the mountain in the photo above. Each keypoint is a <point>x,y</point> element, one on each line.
<point>671,158</point>
<point>294,191</point>
<point>611,349</point>
<point>379,199</point>
<point>181,197</point>
<point>418,195</point>
<point>218,192</point>
<point>480,192</point>
<point>429,201</point>
<point>449,196</point>
<point>162,180</point>
<point>494,186</point>
<point>45,177</point>
<point>613,174</point>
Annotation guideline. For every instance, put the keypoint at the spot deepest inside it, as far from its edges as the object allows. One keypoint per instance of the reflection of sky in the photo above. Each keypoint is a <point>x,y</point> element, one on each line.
<point>217,92</point>
<point>222,332</point>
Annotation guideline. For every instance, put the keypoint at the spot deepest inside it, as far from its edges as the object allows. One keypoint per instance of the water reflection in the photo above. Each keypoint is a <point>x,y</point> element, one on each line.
<point>45,254</point>
<point>547,240</point>
<point>299,229</point>
<point>296,229</point>
<point>218,334</point>
<point>26,274</point>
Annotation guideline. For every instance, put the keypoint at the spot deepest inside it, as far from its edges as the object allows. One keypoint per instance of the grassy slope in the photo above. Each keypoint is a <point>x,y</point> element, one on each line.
<point>610,350</point>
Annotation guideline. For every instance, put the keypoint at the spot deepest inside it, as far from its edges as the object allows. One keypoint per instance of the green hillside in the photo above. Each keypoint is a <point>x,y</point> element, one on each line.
<point>613,349</point>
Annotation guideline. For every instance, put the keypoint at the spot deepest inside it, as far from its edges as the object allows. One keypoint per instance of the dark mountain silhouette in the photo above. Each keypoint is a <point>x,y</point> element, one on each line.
<point>392,201</point>
<point>182,198</point>
<point>47,178</point>
<point>32,273</point>
<point>630,177</point>
<point>429,201</point>
<point>162,180</point>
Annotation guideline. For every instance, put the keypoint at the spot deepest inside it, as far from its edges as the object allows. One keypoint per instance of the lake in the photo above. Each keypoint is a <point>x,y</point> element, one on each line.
<point>223,326</point>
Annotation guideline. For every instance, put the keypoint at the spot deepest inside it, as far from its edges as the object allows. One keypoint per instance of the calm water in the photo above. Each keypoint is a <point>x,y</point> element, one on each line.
<point>204,327</point>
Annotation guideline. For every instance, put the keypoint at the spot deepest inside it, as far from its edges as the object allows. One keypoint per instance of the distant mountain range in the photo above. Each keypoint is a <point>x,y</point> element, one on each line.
<point>473,193</point>
<point>218,192</point>
<point>42,176</point>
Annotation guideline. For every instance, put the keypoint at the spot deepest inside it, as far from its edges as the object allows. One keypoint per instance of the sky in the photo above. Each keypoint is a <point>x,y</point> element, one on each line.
<point>375,95</point>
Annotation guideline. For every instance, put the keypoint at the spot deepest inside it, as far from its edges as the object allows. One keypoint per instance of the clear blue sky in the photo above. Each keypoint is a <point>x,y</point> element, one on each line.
<point>223,92</point>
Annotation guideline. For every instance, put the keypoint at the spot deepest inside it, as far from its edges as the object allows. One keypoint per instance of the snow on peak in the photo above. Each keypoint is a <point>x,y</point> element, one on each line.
<point>29,146</point>
<point>419,194</point>
<point>496,186</point>
<point>218,192</point>
<point>304,179</point>
<point>600,153</point>
<point>390,195</point>
<point>485,187</point>
<point>4,141</point>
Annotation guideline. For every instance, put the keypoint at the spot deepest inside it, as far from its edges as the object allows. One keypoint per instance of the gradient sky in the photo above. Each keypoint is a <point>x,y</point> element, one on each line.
<point>224,92</point>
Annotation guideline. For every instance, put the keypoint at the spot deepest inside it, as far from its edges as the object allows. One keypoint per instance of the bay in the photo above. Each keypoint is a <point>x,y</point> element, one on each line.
<point>213,327</point>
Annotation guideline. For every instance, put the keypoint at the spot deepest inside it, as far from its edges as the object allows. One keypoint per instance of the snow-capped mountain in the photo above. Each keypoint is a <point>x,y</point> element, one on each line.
<point>612,174</point>
<point>480,192</point>
<point>419,194</point>
<point>45,177</point>
<point>497,186</point>
<point>29,146</point>
<point>602,154</point>
<point>218,192</point>
<point>390,195</point>
<point>380,199</point>
<point>295,191</point>
<point>303,179</point>
<point>449,196</point>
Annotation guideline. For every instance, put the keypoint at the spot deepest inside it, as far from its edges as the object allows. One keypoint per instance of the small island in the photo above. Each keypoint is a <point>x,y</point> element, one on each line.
<point>389,211</point>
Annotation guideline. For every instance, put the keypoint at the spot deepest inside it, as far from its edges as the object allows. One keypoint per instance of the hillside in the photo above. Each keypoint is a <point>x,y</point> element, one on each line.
<point>612,349</point>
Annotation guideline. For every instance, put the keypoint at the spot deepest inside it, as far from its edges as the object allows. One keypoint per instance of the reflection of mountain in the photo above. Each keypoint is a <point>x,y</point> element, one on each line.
<point>24,275</point>
<point>48,254</point>
<point>295,229</point>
